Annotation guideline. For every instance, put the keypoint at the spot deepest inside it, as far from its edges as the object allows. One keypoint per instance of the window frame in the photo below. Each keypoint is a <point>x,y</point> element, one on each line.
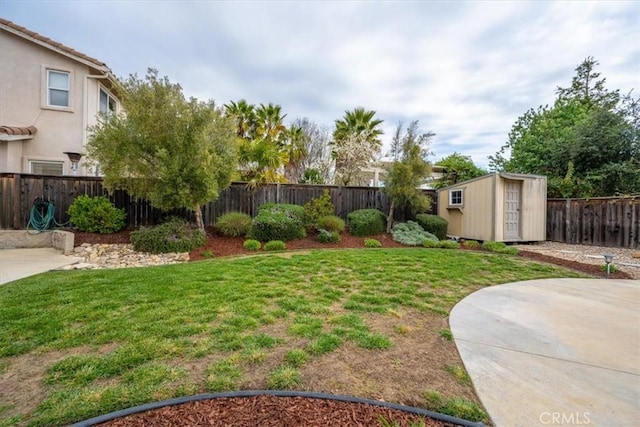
<point>459,191</point>
<point>109,96</point>
<point>33,162</point>
<point>46,89</point>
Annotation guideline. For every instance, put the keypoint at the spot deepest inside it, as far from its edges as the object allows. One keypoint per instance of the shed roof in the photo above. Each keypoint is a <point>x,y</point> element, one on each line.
<point>506,175</point>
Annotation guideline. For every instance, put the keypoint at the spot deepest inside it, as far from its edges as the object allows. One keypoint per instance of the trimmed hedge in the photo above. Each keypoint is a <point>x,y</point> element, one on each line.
<point>434,224</point>
<point>326,236</point>
<point>366,222</point>
<point>172,236</point>
<point>278,222</point>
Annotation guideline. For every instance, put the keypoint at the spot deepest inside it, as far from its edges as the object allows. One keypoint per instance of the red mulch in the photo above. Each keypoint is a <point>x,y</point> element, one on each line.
<point>267,410</point>
<point>221,246</point>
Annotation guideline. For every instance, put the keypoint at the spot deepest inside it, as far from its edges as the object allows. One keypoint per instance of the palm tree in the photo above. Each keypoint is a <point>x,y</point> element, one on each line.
<point>245,117</point>
<point>355,143</point>
<point>269,122</point>
<point>359,123</point>
<point>296,150</point>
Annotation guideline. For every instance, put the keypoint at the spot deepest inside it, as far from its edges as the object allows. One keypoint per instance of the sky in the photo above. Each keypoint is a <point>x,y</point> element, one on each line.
<point>465,69</point>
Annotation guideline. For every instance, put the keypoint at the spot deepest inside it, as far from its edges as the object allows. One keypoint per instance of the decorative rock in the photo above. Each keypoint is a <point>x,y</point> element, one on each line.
<point>635,255</point>
<point>120,256</point>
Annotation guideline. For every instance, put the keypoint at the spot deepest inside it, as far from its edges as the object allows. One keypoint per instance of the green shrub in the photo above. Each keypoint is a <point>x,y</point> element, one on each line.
<point>448,244</point>
<point>471,244</point>
<point>366,222</point>
<point>278,222</point>
<point>234,224</point>
<point>510,250</point>
<point>372,243</point>
<point>251,245</point>
<point>500,248</point>
<point>172,236</point>
<point>275,245</point>
<point>95,215</point>
<point>331,223</point>
<point>431,244</point>
<point>410,233</point>
<point>326,236</point>
<point>317,208</point>
<point>433,224</point>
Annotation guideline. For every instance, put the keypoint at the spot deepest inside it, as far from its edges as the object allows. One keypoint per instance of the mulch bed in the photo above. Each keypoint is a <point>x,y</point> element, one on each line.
<point>267,410</point>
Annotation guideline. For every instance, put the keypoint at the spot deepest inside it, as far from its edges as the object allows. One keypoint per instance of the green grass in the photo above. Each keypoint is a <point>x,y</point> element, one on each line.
<point>459,374</point>
<point>221,311</point>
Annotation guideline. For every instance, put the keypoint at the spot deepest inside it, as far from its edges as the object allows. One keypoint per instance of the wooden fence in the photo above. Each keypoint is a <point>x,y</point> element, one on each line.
<point>19,191</point>
<point>611,222</point>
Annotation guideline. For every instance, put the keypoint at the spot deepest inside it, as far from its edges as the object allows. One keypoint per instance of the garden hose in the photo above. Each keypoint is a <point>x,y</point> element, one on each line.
<point>42,216</point>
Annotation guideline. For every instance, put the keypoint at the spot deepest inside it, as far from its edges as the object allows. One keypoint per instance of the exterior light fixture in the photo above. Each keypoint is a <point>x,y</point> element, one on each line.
<point>608,258</point>
<point>75,159</point>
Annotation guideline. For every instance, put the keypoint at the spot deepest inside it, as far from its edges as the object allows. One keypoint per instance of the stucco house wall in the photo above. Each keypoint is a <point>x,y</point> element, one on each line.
<point>25,58</point>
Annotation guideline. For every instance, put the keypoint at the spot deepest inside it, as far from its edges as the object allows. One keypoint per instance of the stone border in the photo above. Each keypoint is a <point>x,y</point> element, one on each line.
<point>25,239</point>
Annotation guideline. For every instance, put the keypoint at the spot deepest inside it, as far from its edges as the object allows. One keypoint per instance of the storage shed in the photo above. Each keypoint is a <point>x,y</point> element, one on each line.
<point>503,207</point>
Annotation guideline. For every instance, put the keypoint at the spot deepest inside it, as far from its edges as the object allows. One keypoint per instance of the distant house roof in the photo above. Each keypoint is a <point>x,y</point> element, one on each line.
<point>14,133</point>
<point>54,46</point>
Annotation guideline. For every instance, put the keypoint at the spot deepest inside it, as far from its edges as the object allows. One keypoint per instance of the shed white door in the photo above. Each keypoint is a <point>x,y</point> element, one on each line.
<point>512,210</point>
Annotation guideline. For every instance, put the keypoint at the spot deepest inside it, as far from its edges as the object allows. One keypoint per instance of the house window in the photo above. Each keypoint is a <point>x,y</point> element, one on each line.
<point>455,198</point>
<point>46,168</point>
<point>107,103</point>
<point>58,85</point>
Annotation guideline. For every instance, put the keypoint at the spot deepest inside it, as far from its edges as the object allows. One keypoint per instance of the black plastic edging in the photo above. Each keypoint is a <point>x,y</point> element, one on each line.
<point>278,393</point>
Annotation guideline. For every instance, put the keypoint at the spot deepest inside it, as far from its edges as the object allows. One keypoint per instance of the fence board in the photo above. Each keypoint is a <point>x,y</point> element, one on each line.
<point>612,221</point>
<point>18,192</point>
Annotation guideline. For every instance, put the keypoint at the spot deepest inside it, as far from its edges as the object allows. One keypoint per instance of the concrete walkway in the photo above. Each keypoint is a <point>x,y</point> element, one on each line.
<point>18,263</point>
<point>554,352</point>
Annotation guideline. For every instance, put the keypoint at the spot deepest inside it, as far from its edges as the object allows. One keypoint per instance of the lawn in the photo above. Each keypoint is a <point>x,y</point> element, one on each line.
<point>367,322</point>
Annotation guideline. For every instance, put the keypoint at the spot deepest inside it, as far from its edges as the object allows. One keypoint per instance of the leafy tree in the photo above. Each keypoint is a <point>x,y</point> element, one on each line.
<point>317,164</point>
<point>587,143</point>
<point>355,143</point>
<point>409,170</point>
<point>457,168</point>
<point>176,153</point>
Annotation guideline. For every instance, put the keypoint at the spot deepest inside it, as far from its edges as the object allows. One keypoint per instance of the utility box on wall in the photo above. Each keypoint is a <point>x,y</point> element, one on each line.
<point>503,207</point>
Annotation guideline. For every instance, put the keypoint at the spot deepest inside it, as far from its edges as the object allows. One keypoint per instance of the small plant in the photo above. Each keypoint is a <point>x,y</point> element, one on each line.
<point>331,223</point>
<point>446,334</point>
<point>296,357</point>
<point>433,400</point>
<point>431,244</point>
<point>278,222</point>
<point>612,268</point>
<point>234,224</point>
<point>207,254</point>
<point>318,208</point>
<point>500,248</point>
<point>410,233</point>
<point>366,222</point>
<point>252,245</point>
<point>95,215</point>
<point>433,224</point>
<point>172,236</point>
<point>387,423</point>
<point>283,378</point>
<point>326,236</point>
<point>372,243</point>
<point>493,246</point>
<point>275,245</point>
<point>448,244</point>
<point>471,244</point>
<point>463,408</point>
<point>459,373</point>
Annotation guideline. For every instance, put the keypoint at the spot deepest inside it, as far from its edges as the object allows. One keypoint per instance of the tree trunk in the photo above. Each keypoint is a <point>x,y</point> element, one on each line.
<point>199,221</point>
<point>390,217</point>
